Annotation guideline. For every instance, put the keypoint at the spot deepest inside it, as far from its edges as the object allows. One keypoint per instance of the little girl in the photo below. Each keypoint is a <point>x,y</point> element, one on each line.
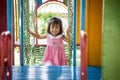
<point>54,52</point>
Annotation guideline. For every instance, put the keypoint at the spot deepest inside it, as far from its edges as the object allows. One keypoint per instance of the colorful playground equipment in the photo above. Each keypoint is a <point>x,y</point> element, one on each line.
<point>102,26</point>
<point>6,59</point>
<point>81,39</point>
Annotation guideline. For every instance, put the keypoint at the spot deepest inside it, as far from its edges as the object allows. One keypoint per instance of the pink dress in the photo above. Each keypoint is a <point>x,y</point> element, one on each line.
<point>54,52</point>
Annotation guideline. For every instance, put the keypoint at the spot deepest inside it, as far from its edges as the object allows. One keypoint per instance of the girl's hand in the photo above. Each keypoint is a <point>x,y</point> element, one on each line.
<point>68,31</point>
<point>66,37</point>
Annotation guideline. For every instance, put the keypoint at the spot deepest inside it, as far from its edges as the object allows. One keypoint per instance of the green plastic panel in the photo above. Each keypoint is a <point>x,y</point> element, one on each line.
<point>111,40</point>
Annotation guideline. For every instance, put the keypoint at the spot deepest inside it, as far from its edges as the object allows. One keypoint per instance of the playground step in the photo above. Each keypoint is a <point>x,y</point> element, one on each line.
<point>45,73</point>
<point>53,73</point>
<point>94,73</point>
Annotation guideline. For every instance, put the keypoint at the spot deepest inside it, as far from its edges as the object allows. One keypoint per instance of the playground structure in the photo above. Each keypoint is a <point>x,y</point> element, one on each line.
<point>90,27</point>
<point>24,20</point>
<point>7,56</point>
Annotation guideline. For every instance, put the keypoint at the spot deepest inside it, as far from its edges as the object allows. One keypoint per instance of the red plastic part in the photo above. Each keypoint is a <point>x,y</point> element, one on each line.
<point>5,55</point>
<point>83,56</point>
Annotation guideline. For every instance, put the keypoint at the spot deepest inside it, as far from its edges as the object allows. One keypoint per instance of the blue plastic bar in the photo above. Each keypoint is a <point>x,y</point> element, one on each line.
<point>74,40</point>
<point>82,21</point>
<point>74,35</point>
<point>22,32</point>
<point>10,23</point>
<point>9,15</point>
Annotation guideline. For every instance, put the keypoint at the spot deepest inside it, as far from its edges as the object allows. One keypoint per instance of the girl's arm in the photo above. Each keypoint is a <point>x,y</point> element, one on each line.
<point>67,37</point>
<point>36,35</point>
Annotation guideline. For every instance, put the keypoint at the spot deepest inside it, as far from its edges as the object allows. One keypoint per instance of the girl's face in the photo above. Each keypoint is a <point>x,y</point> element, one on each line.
<point>54,29</point>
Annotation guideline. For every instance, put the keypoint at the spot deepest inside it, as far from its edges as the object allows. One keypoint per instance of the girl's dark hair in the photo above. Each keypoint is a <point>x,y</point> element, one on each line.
<point>53,21</point>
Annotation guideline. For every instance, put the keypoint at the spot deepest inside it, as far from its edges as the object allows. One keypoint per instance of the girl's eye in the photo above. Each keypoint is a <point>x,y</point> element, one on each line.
<point>57,27</point>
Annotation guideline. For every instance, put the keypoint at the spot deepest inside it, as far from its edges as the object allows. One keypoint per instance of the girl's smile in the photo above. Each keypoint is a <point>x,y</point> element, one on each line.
<point>54,29</point>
